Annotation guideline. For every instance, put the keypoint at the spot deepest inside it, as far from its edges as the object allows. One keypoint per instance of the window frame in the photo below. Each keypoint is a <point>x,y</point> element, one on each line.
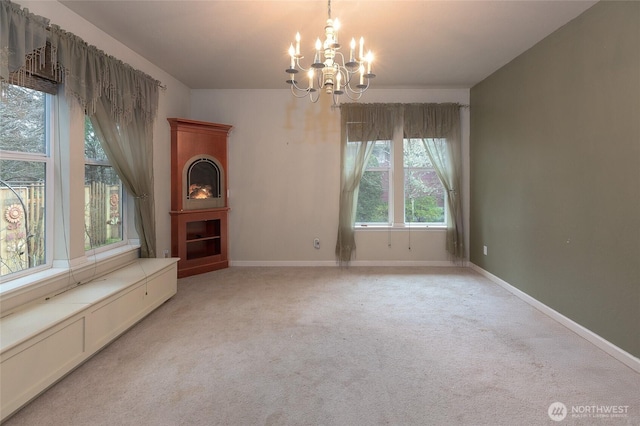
<point>68,264</point>
<point>391,190</point>
<point>48,159</point>
<point>442,224</point>
<point>397,190</point>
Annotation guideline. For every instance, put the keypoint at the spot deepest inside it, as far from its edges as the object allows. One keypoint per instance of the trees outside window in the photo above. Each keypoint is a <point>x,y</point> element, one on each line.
<point>26,185</point>
<point>24,164</point>
<point>102,193</point>
<point>423,191</point>
<point>375,189</point>
<point>417,185</point>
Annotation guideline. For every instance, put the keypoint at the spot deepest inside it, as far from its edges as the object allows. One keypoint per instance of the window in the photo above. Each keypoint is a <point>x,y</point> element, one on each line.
<point>27,185</point>
<point>25,167</point>
<point>423,191</point>
<point>375,189</point>
<point>413,186</point>
<point>47,191</point>
<point>102,195</point>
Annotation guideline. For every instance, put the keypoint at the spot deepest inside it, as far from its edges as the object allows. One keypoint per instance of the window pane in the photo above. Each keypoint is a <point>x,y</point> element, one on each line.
<point>423,197</point>
<point>102,194</point>
<point>373,194</point>
<point>22,229</point>
<point>415,154</point>
<point>22,122</point>
<point>103,206</point>
<point>381,155</point>
<point>373,197</point>
<point>423,193</point>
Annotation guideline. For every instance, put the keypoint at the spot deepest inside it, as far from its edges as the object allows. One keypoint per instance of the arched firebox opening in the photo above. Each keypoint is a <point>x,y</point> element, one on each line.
<point>203,180</point>
<point>204,183</point>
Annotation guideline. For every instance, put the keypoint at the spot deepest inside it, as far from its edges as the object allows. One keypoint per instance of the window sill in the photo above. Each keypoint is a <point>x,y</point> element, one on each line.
<point>63,275</point>
<point>401,227</point>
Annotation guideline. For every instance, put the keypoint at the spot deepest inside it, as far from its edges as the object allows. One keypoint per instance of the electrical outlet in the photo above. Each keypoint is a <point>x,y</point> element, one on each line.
<point>316,243</point>
<point>484,250</point>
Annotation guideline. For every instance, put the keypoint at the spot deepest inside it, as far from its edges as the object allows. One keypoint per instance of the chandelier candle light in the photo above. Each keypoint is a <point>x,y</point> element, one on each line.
<point>330,71</point>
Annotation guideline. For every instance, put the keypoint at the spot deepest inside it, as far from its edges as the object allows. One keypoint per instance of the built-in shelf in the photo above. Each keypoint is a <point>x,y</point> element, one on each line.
<point>203,238</point>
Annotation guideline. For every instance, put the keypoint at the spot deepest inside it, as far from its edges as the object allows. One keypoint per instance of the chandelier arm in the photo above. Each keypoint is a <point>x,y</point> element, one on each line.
<point>299,92</point>
<point>340,64</point>
<point>294,84</point>
<point>357,90</point>
<point>352,95</point>
<point>300,66</point>
<point>303,95</point>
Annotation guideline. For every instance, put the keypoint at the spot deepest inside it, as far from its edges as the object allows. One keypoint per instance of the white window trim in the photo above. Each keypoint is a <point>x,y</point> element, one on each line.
<point>417,225</point>
<point>396,192</point>
<point>48,159</point>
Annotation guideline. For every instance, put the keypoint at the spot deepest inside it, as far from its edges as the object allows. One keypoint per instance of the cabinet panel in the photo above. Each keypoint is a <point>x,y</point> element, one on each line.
<point>198,222</point>
<point>28,372</point>
<point>199,239</point>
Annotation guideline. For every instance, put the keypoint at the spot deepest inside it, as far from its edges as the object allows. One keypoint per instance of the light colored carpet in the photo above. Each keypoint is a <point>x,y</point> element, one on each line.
<point>332,346</point>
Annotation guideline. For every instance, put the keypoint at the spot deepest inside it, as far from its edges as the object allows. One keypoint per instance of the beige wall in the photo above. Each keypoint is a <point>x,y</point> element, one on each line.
<point>284,178</point>
<point>284,156</point>
<point>555,172</point>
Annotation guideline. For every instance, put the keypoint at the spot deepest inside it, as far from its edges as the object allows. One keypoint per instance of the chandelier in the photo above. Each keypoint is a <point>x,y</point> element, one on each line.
<point>331,71</point>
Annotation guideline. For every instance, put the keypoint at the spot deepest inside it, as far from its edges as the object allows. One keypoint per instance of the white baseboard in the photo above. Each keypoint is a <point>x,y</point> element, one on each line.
<point>305,263</point>
<point>611,349</point>
<point>282,263</point>
<point>405,263</point>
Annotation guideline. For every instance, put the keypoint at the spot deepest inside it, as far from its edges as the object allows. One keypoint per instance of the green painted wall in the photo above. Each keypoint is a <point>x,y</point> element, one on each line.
<point>555,172</point>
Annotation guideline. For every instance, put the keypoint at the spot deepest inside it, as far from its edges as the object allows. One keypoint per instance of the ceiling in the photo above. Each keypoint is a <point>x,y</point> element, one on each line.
<point>242,44</point>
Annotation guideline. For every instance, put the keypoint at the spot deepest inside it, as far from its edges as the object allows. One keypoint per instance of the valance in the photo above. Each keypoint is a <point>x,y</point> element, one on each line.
<point>86,72</point>
<point>23,38</point>
<point>373,119</point>
<point>431,120</point>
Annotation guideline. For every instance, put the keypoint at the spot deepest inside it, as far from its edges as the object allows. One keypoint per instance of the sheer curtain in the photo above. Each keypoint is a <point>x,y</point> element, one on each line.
<point>438,125</point>
<point>361,126</point>
<point>121,103</point>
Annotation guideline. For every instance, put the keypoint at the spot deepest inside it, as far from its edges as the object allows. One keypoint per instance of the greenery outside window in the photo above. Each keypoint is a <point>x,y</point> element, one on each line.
<point>102,194</point>
<point>374,194</point>
<point>413,184</point>
<point>25,170</point>
<point>423,192</point>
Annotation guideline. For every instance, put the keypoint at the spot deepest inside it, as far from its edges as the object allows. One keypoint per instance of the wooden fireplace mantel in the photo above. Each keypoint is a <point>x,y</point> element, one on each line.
<point>199,230</point>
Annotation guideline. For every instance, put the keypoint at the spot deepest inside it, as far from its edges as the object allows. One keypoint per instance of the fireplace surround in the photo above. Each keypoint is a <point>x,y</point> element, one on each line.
<point>199,208</point>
